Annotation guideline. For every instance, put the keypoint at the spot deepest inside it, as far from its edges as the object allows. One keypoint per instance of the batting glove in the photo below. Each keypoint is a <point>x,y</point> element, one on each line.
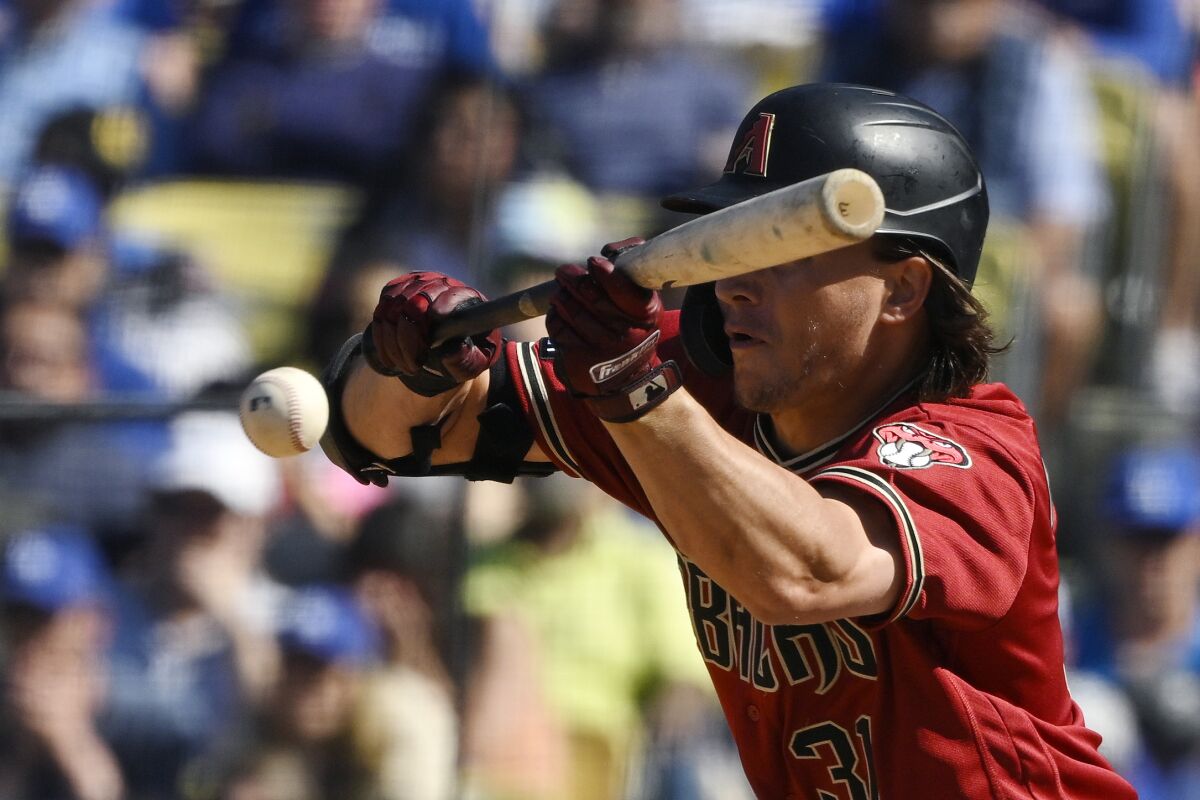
<point>398,340</point>
<point>605,332</point>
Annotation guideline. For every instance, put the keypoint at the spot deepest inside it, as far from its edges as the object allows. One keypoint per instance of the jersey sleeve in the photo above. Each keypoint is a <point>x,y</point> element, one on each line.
<point>964,519</point>
<point>566,431</point>
<point>572,437</point>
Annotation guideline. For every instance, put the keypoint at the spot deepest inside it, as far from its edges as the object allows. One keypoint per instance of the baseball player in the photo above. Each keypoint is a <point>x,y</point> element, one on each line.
<point>864,527</point>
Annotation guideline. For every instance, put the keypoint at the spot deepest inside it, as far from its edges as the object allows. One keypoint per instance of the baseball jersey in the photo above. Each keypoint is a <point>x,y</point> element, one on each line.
<point>958,691</point>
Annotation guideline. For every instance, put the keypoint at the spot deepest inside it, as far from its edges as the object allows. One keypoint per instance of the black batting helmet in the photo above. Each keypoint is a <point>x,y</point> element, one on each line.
<point>931,183</point>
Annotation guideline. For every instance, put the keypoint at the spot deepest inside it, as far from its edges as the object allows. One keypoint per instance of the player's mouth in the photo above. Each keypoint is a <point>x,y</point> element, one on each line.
<point>741,338</point>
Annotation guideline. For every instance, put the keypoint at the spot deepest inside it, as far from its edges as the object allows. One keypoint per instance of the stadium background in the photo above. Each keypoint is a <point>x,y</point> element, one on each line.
<point>195,190</point>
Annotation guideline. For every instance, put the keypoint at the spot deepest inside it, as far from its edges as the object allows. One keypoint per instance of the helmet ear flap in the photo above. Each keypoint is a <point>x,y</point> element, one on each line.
<point>702,330</point>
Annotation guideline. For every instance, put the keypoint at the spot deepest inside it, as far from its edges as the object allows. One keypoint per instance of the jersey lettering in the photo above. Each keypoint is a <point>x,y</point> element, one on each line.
<point>730,638</point>
<point>850,763</point>
<point>854,646</point>
<point>753,651</point>
<point>709,604</point>
<point>764,673</point>
<point>743,634</point>
<point>795,643</point>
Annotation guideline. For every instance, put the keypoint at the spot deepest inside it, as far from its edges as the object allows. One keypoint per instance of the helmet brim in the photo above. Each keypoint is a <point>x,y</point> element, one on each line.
<point>713,197</point>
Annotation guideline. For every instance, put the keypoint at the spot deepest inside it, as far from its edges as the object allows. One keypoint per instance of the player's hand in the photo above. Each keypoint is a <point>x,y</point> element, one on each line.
<point>605,332</point>
<point>399,339</point>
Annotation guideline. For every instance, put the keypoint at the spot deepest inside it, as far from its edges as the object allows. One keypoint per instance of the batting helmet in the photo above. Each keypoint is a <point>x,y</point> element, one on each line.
<point>932,186</point>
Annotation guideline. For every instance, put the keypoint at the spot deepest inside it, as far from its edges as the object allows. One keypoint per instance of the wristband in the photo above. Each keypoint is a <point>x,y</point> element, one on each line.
<point>639,397</point>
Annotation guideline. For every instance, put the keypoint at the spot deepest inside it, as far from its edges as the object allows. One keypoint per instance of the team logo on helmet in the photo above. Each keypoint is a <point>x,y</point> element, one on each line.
<point>752,151</point>
<point>905,446</point>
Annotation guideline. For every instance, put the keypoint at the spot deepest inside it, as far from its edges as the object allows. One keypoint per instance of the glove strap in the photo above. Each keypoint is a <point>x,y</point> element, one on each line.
<point>639,397</point>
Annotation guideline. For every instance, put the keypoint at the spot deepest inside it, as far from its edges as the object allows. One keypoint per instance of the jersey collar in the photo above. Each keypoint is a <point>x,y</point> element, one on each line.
<point>767,443</point>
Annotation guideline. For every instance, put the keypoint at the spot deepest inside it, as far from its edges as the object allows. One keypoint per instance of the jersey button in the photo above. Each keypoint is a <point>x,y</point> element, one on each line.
<point>752,712</point>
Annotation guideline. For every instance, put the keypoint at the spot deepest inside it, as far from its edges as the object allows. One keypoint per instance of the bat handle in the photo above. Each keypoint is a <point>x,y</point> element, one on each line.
<point>506,310</point>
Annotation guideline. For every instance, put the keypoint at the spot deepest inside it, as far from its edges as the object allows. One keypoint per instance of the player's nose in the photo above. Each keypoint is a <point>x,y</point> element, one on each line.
<point>740,289</point>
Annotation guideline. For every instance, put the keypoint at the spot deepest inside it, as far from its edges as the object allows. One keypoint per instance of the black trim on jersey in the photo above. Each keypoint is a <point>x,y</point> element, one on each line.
<point>805,461</point>
<point>535,387</point>
<point>818,455</point>
<point>505,435</point>
<point>916,557</point>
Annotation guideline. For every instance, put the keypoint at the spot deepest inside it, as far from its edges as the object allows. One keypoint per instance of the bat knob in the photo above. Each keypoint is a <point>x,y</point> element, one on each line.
<point>853,203</point>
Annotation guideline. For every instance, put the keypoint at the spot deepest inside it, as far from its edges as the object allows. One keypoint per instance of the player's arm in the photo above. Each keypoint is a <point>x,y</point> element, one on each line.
<point>381,412</point>
<point>790,551</point>
<point>791,554</point>
<point>400,406</point>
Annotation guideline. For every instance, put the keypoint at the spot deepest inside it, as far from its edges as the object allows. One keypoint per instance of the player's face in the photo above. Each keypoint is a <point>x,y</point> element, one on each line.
<point>799,332</point>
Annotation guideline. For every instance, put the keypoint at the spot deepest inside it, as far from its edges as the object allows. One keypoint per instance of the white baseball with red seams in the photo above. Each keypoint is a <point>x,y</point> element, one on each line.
<point>284,411</point>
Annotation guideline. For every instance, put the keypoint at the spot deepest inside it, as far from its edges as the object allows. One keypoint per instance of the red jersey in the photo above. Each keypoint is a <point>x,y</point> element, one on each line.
<point>959,691</point>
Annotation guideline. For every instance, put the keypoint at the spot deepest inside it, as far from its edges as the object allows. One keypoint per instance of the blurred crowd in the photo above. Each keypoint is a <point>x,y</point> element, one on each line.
<point>194,190</point>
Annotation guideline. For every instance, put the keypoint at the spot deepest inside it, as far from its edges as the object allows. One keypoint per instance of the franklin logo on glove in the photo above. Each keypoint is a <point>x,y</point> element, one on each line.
<point>607,369</point>
<point>599,311</point>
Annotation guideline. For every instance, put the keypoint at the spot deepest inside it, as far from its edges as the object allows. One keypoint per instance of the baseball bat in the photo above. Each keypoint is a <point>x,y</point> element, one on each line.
<point>804,219</point>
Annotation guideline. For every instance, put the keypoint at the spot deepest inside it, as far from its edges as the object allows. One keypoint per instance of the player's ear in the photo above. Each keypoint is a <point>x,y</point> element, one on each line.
<point>906,285</point>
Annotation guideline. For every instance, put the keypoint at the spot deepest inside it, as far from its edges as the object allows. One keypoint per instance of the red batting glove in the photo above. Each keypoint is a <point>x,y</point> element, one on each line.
<point>398,340</point>
<point>605,332</point>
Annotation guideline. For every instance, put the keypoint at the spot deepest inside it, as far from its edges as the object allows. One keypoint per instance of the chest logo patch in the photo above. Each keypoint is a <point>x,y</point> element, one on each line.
<point>903,445</point>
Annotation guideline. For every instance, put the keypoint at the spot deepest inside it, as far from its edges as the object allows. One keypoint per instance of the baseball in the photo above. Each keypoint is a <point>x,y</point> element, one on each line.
<point>284,411</point>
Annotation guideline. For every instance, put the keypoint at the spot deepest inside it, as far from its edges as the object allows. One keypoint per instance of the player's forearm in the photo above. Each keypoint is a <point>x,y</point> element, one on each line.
<point>380,411</point>
<point>764,534</point>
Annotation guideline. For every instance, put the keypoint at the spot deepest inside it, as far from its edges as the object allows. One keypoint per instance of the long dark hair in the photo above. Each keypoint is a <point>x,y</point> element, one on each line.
<point>962,340</point>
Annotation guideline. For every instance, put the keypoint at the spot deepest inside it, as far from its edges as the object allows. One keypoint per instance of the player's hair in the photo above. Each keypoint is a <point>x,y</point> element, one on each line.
<point>962,339</point>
